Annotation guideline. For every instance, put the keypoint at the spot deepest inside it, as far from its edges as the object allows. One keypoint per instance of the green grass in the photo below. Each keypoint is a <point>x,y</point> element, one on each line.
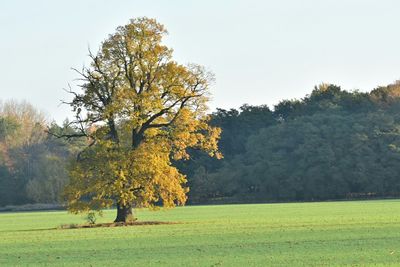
<point>362,233</point>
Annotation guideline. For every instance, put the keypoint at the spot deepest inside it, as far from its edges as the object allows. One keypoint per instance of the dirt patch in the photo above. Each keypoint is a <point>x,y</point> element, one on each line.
<point>113,224</point>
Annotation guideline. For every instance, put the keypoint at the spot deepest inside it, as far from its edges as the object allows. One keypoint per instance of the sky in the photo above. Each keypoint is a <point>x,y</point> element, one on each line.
<point>261,52</point>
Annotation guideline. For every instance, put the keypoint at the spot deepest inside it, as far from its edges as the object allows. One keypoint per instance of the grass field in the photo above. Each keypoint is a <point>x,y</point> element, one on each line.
<point>362,233</point>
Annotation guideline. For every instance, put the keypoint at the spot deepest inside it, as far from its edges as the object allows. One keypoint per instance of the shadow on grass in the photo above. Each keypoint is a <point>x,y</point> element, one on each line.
<point>113,224</point>
<point>34,230</point>
<point>97,225</point>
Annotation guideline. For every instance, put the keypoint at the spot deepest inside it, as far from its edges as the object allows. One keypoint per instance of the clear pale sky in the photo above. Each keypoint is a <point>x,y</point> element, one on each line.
<point>260,51</point>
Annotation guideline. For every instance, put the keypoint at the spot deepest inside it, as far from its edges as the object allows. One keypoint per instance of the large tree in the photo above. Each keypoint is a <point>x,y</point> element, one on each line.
<point>140,110</point>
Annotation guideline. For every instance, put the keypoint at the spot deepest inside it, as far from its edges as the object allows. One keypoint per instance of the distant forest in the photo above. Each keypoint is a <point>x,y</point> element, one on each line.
<point>332,144</point>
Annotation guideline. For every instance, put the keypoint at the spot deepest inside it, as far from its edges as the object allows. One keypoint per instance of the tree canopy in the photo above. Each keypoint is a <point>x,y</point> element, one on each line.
<point>332,144</point>
<point>139,109</point>
<point>32,163</point>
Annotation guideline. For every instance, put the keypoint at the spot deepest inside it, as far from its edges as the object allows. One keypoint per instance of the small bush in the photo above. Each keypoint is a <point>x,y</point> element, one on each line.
<point>91,218</point>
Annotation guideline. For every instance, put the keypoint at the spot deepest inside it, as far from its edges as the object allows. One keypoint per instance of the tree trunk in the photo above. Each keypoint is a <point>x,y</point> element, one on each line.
<point>124,213</point>
<point>113,131</point>
<point>137,137</point>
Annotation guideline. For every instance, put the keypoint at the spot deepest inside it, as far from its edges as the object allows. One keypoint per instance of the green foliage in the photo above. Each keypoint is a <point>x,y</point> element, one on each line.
<point>332,144</point>
<point>8,126</point>
<point>32,162</point>
<point>91,217</point>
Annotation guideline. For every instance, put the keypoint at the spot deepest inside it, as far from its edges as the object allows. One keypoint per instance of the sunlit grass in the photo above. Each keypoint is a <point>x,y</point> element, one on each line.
<point>298,234</point>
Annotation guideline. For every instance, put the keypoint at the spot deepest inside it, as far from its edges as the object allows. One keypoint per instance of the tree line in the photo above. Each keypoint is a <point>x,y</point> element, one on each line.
<point>332,144</point>
<point>33,164</point>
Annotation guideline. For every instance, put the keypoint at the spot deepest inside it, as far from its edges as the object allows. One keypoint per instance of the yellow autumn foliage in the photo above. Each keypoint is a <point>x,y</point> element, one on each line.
<point>140,110</point>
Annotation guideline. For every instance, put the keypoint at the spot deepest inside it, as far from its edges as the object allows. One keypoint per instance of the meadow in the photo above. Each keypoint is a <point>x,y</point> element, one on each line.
<point>357,233</point>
